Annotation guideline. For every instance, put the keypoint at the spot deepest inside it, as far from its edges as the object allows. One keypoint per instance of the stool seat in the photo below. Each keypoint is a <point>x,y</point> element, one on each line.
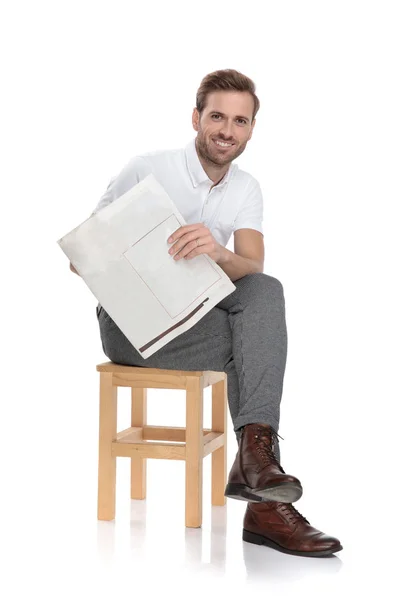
<point>141,440</point>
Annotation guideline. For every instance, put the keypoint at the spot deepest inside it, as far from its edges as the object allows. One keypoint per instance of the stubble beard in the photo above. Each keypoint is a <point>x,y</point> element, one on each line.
<point>213,158</point>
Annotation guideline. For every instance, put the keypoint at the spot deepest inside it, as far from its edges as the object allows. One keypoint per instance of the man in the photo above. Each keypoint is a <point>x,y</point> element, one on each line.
<point>245,334</point>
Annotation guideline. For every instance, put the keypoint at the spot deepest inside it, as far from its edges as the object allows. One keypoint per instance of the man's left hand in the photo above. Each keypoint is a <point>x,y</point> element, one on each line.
<point>185,245</point>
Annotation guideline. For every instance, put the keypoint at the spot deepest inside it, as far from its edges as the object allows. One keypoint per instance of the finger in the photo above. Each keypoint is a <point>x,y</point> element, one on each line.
<point>190,239</point>
<point>202,249</point>
<point>191,248</point>
<point>185,250</point>
<point>183,230</point>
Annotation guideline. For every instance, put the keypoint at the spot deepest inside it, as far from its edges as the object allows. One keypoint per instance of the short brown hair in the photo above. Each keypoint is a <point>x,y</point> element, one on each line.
<point>225,79</point>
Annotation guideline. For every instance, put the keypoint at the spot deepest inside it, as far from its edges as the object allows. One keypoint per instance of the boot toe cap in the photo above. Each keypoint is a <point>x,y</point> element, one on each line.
<point>321,542</point>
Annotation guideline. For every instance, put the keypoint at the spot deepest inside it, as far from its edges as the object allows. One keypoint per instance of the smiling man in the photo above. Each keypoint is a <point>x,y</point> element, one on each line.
<point>245,334</point>
<point>221,138</point>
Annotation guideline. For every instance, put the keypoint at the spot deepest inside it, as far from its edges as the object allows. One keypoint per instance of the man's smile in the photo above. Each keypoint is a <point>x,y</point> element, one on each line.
<point>223,145</point>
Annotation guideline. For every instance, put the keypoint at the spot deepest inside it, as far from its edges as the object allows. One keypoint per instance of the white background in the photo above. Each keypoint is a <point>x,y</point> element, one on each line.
<point>87,85</point>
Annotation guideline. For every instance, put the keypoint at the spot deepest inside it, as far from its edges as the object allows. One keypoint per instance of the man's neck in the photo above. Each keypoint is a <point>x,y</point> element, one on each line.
<point>216,174</point>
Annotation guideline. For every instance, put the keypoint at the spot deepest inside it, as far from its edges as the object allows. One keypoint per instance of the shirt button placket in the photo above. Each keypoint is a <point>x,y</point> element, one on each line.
<point>205,203</point>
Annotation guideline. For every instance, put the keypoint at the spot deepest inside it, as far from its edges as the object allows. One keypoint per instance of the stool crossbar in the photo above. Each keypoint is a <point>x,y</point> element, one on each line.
<point>141,441</point>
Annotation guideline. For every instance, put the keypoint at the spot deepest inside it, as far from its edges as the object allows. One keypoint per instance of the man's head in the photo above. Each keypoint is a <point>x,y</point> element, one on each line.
<point>226,106</point>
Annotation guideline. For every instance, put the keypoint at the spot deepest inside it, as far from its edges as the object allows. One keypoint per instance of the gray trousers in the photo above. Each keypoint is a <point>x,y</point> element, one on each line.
<point>244,336</point>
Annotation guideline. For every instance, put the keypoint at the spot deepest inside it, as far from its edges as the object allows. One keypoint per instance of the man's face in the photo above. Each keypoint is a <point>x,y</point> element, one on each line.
<point>227,118</point>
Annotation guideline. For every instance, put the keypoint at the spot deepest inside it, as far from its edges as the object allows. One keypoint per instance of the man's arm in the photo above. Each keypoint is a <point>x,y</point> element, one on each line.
<point>248,255</point>
<point>247,258</point>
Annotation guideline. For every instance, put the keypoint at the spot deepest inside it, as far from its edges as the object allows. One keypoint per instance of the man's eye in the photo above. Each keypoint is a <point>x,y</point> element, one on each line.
<point>242,121</point>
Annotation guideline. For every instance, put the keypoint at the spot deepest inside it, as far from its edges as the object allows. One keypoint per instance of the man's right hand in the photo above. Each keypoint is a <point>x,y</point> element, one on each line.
<point>71,266</point>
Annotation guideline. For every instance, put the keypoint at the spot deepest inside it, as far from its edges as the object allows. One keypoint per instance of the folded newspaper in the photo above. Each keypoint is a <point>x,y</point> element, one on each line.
<point>121,253</point>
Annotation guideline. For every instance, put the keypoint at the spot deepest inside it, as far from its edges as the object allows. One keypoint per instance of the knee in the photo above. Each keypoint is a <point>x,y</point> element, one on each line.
<point>264,282</point>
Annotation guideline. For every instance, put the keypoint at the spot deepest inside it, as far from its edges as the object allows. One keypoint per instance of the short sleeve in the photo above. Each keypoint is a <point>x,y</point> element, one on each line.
<point>133,172</point>
<point>250,214</point>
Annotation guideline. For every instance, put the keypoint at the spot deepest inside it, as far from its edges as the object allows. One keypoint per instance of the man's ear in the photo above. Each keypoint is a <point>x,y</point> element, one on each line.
<point>195,119</point>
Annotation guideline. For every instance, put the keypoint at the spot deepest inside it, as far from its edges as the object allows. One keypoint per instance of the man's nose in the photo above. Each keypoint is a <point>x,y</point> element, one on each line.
<point>227,129</point>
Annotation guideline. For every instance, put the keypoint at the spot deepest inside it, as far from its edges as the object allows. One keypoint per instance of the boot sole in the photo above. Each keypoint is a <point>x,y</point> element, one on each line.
<point>260,540</point>
<point>239,491</point>
<point>284,492</point>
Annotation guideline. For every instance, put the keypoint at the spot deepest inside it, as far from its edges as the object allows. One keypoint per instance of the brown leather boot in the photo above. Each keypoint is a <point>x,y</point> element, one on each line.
<point>281,527</point>
<point>256,475</point>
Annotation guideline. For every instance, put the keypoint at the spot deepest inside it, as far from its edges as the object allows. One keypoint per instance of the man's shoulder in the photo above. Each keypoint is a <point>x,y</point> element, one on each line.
<point>245,178</point>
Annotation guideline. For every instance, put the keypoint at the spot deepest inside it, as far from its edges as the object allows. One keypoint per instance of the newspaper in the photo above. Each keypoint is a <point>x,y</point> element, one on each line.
<point>121,253</point>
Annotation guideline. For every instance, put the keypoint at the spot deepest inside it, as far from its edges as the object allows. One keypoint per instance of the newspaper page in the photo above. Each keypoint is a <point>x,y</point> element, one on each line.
<point>121,253</point>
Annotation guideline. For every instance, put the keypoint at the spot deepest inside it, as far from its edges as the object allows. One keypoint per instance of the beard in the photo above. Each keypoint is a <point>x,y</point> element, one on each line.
<point>209,152</point>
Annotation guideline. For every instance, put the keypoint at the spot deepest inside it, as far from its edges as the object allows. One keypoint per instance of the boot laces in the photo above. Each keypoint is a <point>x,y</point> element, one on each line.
<point>292,512</point>
<point>267,438</point>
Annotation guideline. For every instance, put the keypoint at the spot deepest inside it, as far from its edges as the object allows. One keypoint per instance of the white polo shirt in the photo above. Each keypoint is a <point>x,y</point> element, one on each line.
<point>235,203</point>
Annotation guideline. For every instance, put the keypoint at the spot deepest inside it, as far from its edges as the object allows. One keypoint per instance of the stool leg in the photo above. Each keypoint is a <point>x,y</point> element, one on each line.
<point>194,452</point>
<point>138,465</point>
<point>107,462</point>
<point>218,457</point>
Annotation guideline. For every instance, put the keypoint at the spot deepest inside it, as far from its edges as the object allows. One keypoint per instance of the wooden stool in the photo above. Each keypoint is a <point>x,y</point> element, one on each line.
<point>190,443</point>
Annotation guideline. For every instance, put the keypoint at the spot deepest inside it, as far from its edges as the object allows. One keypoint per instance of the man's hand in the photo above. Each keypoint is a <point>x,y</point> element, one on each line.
<point>71,266</point>
<point>185,245</point>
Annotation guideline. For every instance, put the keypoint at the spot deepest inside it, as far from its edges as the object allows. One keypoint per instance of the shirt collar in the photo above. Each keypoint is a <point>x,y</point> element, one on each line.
<point>196,172</point>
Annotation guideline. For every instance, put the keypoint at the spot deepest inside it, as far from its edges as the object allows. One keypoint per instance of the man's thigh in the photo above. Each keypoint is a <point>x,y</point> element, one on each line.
<point>207,345</point>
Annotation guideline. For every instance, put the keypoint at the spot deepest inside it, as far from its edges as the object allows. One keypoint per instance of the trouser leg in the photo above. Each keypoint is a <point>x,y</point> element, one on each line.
<point>256,313</point>
<point>244,335</point>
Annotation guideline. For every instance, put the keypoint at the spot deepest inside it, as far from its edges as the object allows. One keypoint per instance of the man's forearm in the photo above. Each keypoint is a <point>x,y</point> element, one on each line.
<point>236,266</point>
<point>232,264</point>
